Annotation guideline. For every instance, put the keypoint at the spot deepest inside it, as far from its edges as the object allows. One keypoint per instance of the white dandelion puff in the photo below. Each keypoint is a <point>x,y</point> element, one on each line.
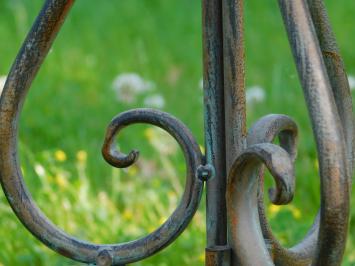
<point>39,169</point>
<point>255,94</point>
<point>154,101</point>
<point>200,84</point>
<point>2,83</point>
<point>351,80</point>
<point>129,85</point>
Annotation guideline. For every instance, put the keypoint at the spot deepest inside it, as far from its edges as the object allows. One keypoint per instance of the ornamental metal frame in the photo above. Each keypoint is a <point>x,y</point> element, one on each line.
<point>233,167</point>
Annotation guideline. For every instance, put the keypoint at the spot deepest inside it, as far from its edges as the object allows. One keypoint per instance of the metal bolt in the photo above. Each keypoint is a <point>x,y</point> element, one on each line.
<point>205,172</point>
<point>104,258</point>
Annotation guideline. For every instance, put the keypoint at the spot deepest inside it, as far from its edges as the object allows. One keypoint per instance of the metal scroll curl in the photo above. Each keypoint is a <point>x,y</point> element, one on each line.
<point>20,78</point>
<point>326,91</point>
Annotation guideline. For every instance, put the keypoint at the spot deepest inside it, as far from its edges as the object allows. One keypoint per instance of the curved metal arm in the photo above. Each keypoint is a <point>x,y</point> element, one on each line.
<point>22,73</point>
<point>246,236</point>
<point>266,130</point>
<point>329,111</point>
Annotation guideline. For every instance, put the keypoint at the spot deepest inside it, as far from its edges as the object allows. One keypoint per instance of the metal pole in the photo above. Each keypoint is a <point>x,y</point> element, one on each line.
<point>214,121</point>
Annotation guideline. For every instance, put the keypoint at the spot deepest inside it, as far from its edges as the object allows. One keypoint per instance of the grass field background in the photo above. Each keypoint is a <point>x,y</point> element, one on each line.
<point>72,101</point>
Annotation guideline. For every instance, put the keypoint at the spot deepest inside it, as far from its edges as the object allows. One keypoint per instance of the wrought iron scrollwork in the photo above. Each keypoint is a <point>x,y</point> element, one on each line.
<point>327,95</point>
<point>250,238</point>
<point>22,73</point>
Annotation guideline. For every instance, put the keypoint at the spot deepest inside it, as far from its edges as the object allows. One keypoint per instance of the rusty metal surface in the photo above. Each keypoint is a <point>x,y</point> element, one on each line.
<point>336,73</point>
<point>218,256</point>
<point>22,73</point>
<point>234,79</point>
<point>328,131</point>
<point>214,121</point>
<point>327,96</point>
<point>238,232</point>
<point>266,130</point>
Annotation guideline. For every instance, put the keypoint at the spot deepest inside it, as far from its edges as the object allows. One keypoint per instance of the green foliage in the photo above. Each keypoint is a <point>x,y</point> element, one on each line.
<point>72,101</point>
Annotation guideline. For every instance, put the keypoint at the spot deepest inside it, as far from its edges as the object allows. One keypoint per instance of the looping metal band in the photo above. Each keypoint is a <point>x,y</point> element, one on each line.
<point>22,73</point>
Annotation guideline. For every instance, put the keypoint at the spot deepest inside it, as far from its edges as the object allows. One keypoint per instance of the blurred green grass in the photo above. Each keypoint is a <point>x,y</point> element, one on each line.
<point>72,101</point>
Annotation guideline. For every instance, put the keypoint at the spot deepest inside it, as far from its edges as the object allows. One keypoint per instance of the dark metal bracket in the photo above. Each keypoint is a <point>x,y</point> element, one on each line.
<point>238,232</point>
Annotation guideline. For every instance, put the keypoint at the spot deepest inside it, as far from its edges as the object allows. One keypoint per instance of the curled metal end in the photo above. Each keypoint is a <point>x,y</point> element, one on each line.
<point>242,198</point>
<point>280,165</point>
<point>265,130</point>
<point>117,158</point>
<point>284,178</point>
<point>109,149</point>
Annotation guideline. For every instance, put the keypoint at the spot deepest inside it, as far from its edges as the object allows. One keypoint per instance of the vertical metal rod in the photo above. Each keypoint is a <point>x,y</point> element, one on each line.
<point>214,121</point>
<point>234,78</point>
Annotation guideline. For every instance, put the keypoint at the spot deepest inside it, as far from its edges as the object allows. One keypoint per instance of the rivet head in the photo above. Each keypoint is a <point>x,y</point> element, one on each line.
<point>104,258</point>
<point>205,172</point>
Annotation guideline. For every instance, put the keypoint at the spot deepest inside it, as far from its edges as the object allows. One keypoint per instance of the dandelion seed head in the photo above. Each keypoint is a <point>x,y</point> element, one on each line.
<point>154,101</point>
<point>200,84</point>
<point>129,85</point>
<point>255,94</point>
<point>39,169</point>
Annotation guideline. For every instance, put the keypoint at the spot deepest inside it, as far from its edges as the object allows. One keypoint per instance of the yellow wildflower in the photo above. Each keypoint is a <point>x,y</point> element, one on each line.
<point>201,257</point>
<point>149,133</point>
<point>151,229</point>
<point>133,170</point>
<point>171,194</point>
<point>274,209</point>
<point>61,180</point>
<point>352,257</point>
<point>81,156</point>
<point>316,165</point>
<point>162,220</point>
<point>296,213</point>
<point>202,148</point>
<point>127,214</point>
<point>60,156</point>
